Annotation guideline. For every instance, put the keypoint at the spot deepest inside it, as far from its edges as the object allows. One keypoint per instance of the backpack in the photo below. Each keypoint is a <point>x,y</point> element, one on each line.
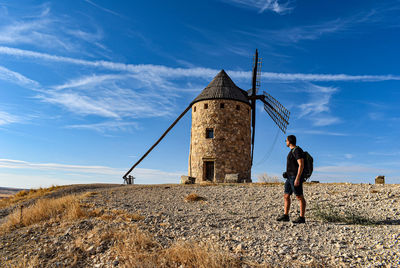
<point>308,164</point>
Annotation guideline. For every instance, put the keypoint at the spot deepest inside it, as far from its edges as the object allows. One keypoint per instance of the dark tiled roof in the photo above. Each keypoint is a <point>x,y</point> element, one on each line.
<point>222,87</point>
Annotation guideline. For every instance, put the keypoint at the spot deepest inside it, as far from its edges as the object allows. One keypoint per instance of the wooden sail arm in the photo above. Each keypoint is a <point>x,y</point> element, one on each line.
<point>262,98</point>
<point>158,141</point>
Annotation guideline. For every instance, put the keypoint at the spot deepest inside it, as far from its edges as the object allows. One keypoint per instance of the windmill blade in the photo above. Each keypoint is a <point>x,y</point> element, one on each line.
<point>278,113</point>
<point>158,141</point>
<point>256,77</point>
<point>253,101</point>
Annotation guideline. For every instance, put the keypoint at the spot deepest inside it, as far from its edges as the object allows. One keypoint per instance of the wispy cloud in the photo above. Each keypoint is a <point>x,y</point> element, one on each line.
<point>108,126</point>
<point>319,132</point>
<point>351,169</point>
<point>317,109</point>
<point>19,164</point>
<point>70,173</point>
<point>137,91</point>
<point>118,96</point>
<point>349,156</point>
<point>17,78</point>
<point>263,5</point>
<point>206,73</point>
<point>41,29</point>
<point>381,16</point>
<point>397,153</point>
<point>6,118</point>
<point>104,9</point>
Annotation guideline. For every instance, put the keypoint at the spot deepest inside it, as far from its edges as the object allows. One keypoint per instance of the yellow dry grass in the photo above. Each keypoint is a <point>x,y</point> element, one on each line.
<point>136,248</point>
<point>63,208</point>
<point>25,195</point>
<point>133,247</point>
<point>193,197</point>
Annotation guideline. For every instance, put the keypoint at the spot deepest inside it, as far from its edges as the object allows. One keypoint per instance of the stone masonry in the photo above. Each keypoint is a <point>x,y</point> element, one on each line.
<point>230,146</point>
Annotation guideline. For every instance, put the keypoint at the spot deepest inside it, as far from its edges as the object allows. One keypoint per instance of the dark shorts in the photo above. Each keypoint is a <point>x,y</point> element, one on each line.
<point>290,188</point>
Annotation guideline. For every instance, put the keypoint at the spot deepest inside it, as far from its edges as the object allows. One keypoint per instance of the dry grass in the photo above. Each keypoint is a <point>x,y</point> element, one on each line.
<point>63,208</point>
<point>194,197</point>
<point>25,195</point>
<point>264,177</point>
<point>89,194</point>
<point>116,234</point>
<point>347,215</point>
<point>189,254</point>
<point>138,249</point>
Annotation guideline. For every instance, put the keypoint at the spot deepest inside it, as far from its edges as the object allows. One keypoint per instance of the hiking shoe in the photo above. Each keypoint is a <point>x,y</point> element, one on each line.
<point>284,217</point>
<point>300,220</point>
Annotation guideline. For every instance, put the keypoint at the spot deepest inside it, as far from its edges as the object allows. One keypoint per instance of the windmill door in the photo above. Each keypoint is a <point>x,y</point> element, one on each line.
<point>209,170</point>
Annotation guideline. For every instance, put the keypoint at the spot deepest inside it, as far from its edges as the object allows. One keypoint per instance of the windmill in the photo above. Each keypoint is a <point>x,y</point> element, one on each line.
<point>223,128</point>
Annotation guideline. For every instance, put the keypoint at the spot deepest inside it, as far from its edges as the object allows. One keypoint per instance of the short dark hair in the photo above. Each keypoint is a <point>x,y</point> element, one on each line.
<point>292,139</point>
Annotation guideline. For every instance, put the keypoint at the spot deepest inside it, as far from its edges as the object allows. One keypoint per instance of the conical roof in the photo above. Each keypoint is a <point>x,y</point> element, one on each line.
<point>222,87</point>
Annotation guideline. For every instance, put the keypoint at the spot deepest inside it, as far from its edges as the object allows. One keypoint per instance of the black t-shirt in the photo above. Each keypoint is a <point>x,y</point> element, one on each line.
<point>292,166</point>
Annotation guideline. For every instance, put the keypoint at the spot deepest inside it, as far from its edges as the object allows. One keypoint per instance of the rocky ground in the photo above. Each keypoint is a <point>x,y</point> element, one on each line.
<point>238,218</point>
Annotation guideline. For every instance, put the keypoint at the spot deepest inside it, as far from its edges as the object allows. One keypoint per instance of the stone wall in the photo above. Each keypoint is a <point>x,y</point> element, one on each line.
<point>230,149</point>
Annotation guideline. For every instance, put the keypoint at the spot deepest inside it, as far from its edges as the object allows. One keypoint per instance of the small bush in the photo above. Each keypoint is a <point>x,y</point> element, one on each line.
<point>194,197</point>
<point>329,213</point>
<point>265,178</point>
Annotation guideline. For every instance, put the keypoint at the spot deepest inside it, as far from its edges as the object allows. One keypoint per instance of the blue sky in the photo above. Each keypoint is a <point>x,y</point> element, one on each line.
<point>87,86</point>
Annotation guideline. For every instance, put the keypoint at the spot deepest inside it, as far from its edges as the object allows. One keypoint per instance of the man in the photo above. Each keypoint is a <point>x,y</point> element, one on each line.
<point>294,180</point>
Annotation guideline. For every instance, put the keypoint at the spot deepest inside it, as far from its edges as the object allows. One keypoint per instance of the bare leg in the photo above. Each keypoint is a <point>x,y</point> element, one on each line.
<point>286,197</point>
<point>302,205</point>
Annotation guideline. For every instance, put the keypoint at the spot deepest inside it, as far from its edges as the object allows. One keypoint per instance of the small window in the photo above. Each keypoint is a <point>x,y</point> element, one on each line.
<point>238,107</point>
<point>205,105</point>
<point>222,105</point>
<point>194,109</point>
<point>209,133</point>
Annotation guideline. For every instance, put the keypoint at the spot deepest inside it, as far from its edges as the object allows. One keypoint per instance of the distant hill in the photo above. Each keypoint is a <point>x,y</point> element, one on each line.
<point>6,191</point>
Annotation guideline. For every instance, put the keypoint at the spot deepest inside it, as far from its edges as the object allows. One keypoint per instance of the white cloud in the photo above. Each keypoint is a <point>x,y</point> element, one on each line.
<point>160,71</point>
<point>325,120</point>
<point>6,118</point>
<point>348,156</point>
<point>380,17</point>
<point>317,109</point>
<point>318,132</point>
<point>118,96</point>
<point>80,104</point>
<point>107,126</point>
<point>47,174</point>
<point>41,29</point>
<point>263,5</point>
<point>385,153</point>
<point>18,164</point>
<point>17,78</point>
<point>104,9</point>
<point>351,169</point>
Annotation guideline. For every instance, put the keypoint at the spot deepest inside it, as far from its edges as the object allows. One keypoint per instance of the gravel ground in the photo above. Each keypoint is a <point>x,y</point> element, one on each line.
<point>240,218</point>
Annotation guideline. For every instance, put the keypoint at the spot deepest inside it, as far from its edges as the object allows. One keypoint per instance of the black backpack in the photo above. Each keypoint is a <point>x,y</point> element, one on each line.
<point>308,164</point>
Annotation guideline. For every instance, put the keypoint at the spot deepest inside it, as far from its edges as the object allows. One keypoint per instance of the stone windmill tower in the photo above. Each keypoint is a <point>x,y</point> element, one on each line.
<point>221,132</point>
<point>223,129</point>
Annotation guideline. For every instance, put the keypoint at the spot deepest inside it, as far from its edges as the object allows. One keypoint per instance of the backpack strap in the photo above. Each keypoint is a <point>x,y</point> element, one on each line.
<point>294,149</point>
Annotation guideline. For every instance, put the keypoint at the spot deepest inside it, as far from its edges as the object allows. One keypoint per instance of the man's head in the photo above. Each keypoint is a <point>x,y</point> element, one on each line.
<point>291,140</point>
